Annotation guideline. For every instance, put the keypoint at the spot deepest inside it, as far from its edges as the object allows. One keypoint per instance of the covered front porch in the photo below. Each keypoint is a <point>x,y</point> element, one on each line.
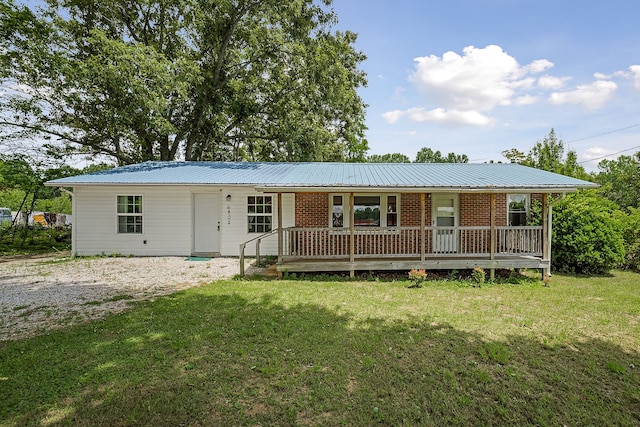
<point>365,248</point>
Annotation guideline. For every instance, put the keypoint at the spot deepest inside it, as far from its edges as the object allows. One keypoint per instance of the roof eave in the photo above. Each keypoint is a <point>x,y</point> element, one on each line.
<point>418,189</point>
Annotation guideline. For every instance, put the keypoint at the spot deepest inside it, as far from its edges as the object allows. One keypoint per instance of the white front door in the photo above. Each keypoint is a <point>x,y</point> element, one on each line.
<point>445,219</point>
<point>206,221</point>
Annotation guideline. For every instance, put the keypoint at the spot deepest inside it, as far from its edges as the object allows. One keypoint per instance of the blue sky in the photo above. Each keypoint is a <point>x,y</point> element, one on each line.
<point>478,77</point>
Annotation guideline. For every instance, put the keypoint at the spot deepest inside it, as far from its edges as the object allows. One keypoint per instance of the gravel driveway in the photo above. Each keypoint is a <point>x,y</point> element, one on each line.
<point>41,294</point>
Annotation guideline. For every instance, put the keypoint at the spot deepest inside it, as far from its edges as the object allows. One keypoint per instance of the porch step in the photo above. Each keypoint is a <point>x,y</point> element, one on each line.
<point>270,271</point>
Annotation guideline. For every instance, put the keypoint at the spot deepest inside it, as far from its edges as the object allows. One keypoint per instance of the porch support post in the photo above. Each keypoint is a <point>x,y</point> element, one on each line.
<point>280,245</point>
<point>352,233</point>
<point>492,252</point>
<point>422,226</point>
<point>546,235</point>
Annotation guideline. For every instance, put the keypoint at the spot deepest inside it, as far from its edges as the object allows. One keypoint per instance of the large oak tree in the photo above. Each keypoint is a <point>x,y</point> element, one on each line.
<point>138,80</point>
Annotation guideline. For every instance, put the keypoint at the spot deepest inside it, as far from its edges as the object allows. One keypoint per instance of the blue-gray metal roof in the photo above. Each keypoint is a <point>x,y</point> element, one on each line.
<point>443,176</point>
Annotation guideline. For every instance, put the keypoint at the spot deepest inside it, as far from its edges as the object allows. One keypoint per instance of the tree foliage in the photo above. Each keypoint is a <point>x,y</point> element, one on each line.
<point>388,158</point>
<point>589,234</point>
<point>199,79</point>
<point>427,155</point>
<point>549,155</point>
<point>620,180</point>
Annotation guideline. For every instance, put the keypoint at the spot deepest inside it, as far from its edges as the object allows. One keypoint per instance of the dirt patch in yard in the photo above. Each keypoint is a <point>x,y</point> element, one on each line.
<point>38,294</point>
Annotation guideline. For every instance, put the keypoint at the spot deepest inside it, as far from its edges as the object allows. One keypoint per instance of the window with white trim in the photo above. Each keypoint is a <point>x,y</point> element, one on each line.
<point>129,214</point>
<point>259,214</point>
<point>369,210</point>
<point>337,211</point>
<point>517,209</point>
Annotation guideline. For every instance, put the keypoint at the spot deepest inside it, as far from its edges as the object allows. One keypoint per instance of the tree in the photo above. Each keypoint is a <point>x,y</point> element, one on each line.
<point>620,180</point>
<point>515,156</point>
<point>427,155</point>
<point>199,79</point>
<point>549,155</point>
<point>589,234</point>
<point>388,158</point>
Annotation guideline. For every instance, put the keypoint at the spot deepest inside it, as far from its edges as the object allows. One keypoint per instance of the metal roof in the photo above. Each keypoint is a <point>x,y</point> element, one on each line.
<point>309,176</point>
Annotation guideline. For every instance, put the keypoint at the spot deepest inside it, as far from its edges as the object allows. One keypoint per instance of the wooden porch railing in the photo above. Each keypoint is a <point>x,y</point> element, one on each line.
<point>389,242</point>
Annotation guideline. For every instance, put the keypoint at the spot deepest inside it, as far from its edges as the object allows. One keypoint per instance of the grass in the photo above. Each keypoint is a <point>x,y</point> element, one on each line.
<point>342,353</point>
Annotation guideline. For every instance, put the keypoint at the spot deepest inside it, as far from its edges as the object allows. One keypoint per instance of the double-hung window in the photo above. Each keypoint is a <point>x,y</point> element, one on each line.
<point>517,209</point>
<point>129,214</point>
<point>259,214</point>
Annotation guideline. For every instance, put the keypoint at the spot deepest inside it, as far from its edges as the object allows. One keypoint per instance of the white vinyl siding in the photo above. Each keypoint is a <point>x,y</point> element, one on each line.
<point>234,228</point>
<point>167,221</point>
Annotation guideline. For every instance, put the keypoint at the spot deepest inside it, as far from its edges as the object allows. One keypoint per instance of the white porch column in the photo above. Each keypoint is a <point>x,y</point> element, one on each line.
<point>280,246</point>
<point>492,251</point>
<point>422,226</point>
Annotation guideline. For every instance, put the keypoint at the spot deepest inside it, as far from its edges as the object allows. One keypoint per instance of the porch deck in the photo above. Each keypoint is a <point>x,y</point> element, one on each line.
<point>384,264</point>
<point>405,248</point>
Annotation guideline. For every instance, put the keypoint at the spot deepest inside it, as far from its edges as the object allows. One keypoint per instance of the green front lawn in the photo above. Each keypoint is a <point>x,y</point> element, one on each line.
<point>342,353</point>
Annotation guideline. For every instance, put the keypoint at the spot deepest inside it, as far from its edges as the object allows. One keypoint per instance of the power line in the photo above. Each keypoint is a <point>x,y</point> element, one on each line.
<point>611,154</point>
<point>604,133</point>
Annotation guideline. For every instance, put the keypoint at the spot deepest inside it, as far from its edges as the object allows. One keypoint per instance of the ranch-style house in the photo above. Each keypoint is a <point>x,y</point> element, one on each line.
<point>321,216</point>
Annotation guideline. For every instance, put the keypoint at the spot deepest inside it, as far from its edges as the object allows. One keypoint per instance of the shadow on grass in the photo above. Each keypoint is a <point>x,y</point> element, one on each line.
<point>198,359</point>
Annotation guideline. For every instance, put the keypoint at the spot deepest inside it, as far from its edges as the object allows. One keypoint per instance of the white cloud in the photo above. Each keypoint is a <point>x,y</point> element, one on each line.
<point>480,79</point>
<point>393,116</point>
<point>591,96</point>
<point>454,117</point>
<point>635,70</point>
<point>440,115</point>
<point>552,82</point>
<point>466,87</point>
<point>526,100</point>
<point>596,153</point>
<point>539,65</point>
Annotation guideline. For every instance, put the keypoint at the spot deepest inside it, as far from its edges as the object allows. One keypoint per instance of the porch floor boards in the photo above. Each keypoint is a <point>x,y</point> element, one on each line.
<point>408,263</point>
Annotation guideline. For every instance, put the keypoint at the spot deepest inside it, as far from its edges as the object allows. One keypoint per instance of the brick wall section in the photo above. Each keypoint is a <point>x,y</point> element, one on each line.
<point>475,209</point>
<point>501,210</point>
<point>312,209</point>
<point>409,210</point>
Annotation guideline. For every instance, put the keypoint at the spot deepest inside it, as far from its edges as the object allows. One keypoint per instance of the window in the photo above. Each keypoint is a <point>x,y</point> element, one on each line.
<point>130,214</point>
<point>337,212</point>
<point>517,209</point>
<point>368,210</point>
<point>259,209</point>
<point>392,211</point>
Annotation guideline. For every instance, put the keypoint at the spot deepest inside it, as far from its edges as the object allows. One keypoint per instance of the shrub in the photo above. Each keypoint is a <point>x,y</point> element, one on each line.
<point>417,277</point>
<point>587,234</point>
<point>478,275</point>
<point>631,235</point>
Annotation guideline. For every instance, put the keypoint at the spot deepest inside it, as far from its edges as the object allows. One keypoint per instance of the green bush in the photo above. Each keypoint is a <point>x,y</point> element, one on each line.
<point>587,234</point>
<point>631,234</point>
